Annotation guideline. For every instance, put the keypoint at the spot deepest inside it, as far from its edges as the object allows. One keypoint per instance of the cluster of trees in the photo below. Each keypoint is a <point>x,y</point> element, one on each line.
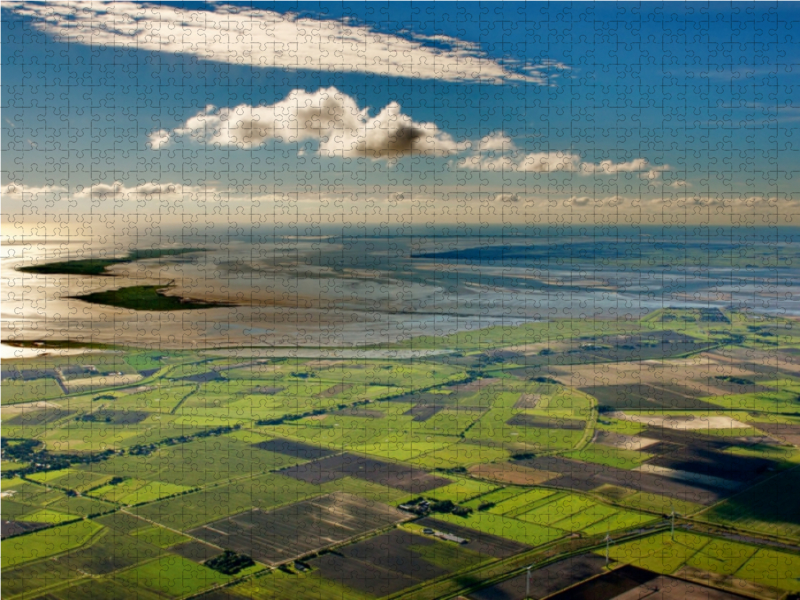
<point>145,449</point>
<point>310,413</point>
<point>229,562</point>
<point>40,459</point>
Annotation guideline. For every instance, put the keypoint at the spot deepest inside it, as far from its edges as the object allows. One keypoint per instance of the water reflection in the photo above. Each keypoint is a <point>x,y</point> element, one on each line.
<point>339,292</point>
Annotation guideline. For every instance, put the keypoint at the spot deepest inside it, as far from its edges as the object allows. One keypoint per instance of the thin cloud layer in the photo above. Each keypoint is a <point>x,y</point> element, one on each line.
<point>31,193</point>
<point>117,191</point>
<point>327,115</point>
<point>497,152</point>
<point>263,38</point>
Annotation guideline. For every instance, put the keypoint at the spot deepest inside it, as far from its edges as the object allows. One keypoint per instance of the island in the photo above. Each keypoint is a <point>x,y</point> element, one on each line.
<point>98,266</point>
<point>147,297</point>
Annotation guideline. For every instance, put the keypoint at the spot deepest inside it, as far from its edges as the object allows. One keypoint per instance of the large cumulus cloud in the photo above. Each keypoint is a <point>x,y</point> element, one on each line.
<point>326,115</point>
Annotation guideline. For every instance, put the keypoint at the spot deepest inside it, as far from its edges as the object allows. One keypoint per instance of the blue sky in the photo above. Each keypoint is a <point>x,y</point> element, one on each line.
<point>455,112</point>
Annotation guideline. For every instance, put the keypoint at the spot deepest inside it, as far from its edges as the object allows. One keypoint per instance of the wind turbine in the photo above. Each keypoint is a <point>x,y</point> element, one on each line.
<point>528,583</point>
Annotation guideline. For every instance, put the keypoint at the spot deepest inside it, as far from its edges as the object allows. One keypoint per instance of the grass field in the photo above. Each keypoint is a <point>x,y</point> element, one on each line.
<point>573,513</point>
<point>462,490</point>
<point>138,491</point>
<point>50,542</point>
<point>190,510</point>
<point>501,526</point>
<point>763,507</point>
<point>205,439</point>
<point>49,516</point>
<point>173,576</point>
<point>29,578</point>
<point>17,391</point>
<point>312,586</point>
<point>158,536</point>
<point>613,457</point>
<point>662,554</point>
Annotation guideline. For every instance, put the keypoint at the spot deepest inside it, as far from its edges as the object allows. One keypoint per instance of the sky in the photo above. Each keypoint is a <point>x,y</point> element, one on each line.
<point>143,117</point>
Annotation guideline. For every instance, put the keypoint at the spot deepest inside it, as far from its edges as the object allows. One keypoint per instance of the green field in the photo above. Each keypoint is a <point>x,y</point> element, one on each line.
<point>172,575</point>
<point>662,554</point>
<point>205,437</point>
<point>50,542</point>
<point>158,536</point>
<point>763,508</point>
<point>190,510</point>
<point>499,525</point>
<point>613,457</point>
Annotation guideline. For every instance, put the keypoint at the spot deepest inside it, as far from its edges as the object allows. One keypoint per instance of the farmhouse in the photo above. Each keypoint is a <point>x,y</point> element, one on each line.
<point>450,537</point>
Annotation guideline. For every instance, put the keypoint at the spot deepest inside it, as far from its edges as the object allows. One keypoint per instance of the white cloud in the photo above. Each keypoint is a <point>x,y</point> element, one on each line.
<point>19,192</point>
<point>146,191</point>
<point>637,165</point>
<point>577,201</point>
<point>159,139</point>
<point>241,35</point>
<point>327,115</point>
<point>497,152</point>
<point>496,142</point>
<point>483,162</point>
<point>549,162</point>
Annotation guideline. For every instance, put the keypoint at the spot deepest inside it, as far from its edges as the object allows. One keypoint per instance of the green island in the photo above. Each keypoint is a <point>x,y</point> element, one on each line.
<point>146,297</point>
<point>225,473</point>
<point>97,266</point>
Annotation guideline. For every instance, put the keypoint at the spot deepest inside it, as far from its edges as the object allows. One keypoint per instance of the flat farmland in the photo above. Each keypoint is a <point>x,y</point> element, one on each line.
<point>49,542</point>
<point>280,535</point>
<point>38,417</point>
<point>12,528</point>
<point>280,584</point>
<point>693,376</point>
<point>763,507</point>
<point>34,576</point>
<point>198,462</point>
<point>511,473</point>
<point>286,458</point>
<point>363,577</point>
<point>545,581</point>
<point>715,464</point>
<point>393,561</point>
<point>562,510</point>
<point>585,477</point>
<point>294,449</point>
<point>535,421</point>
<point>109,552</point>
<point>703,455</point>
<point>196,551</point>
<point>190,510</point>
<point>394,475</point>
<point>606,455</point>
<point>783,432</point>
<point>645,397</point>
<point>630,582</point>
<point>171,576</point>
<point>523,532</point>
<point>138,491</point>
<point>102,589</point>
<point>725,558</point>
<point>16,391</point>
<point>479,542</point>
